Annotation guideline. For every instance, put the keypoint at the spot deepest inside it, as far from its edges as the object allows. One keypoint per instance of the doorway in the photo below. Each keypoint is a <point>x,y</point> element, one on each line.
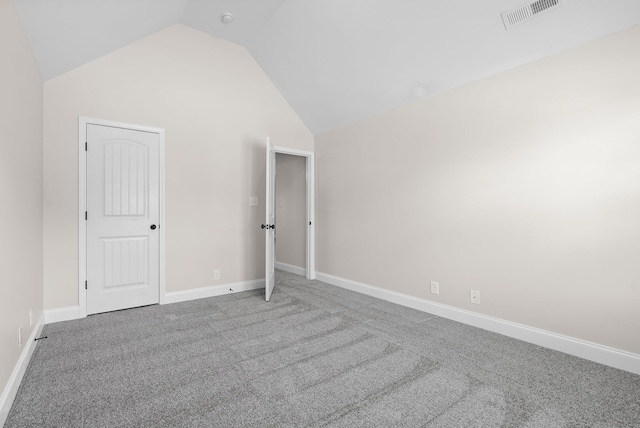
<point>270,205</point>
<point>122,226</point>
<point>291,213</point>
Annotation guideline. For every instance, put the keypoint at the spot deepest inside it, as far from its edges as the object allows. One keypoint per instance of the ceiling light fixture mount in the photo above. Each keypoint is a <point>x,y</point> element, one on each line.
<point>227,18</point>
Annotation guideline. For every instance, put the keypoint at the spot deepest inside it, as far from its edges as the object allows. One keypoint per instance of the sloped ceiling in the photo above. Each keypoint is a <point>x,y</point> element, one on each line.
<point>335,61</point>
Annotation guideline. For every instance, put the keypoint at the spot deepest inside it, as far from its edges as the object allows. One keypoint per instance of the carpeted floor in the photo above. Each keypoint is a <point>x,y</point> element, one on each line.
<point>316,355</point>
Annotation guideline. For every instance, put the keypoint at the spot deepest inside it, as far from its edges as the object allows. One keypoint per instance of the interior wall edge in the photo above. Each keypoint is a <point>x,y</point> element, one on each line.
<point>579,348</point>
<point>13,384</point>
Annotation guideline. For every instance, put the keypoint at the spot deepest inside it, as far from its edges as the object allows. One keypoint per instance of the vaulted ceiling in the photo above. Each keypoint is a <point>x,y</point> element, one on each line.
<point>335,61</point>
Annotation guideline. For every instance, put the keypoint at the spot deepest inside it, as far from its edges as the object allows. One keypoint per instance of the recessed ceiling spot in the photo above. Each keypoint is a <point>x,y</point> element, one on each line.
<point>522,14</point>
<point>227,18</point>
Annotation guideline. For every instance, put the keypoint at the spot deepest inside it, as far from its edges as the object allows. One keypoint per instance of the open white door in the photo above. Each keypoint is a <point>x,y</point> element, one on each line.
<point>270,224</point>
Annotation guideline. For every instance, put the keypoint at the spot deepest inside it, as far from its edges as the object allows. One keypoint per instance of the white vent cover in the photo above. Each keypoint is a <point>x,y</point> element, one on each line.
<point>524,13</point>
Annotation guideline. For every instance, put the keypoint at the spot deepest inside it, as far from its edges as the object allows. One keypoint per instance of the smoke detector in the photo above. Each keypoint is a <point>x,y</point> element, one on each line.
<point>227,18</point>
<point>524,13</point>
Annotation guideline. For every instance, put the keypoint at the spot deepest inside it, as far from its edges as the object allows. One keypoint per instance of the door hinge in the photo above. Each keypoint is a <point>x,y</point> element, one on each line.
<point>85,215</point>
<point>85,285</point>
<point>85,146</point>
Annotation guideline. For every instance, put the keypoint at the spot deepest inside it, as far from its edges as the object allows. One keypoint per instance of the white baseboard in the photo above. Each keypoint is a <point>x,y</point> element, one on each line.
<point>11,388</point>
<point>62,314</point>
<point>73,312</point>
<point>211,291</point>
<point>291,268</point>
<point>579,348</point>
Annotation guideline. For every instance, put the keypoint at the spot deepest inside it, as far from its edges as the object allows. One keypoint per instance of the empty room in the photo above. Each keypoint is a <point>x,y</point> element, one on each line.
<point>283,213</point>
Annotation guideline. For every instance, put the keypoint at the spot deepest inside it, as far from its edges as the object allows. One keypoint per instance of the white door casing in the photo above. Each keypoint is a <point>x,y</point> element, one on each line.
<point>123,216</point>
<point>270,224</point>
<point>310,268</point>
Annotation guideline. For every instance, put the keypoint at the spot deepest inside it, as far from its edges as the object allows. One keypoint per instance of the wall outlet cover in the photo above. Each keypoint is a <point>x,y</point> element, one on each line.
<point>475,297</point>
<point>435,287</point>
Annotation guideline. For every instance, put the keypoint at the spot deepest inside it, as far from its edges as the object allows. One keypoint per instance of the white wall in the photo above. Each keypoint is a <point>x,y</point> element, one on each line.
<point>20,189</point>
<point>525,186</point>
<point>291,210</point>
<point>217,107</point>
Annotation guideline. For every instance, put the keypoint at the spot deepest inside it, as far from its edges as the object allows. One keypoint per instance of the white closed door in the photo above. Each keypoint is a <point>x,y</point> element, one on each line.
<point>123,252</point>
<point>270,219</point>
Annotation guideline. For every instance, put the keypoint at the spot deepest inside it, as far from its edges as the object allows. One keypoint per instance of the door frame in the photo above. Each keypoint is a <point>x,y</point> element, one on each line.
<point>82,203</point>
<point>311,229</point>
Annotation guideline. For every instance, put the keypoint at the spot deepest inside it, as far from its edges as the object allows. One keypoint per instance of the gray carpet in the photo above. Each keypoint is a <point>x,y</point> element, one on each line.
<point>316,355</point>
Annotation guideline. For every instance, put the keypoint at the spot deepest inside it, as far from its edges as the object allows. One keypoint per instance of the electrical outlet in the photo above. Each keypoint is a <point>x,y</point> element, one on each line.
<point>30,318</point>
<point>216,274</point>
<point>20,337</point>
<point>475,297</point>
<point>435,287</point>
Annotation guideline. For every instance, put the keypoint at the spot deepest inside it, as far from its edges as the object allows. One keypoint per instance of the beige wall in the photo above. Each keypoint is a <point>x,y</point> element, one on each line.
<point>525,186</point>
<point>217,107</point>
<point>20,188</point>
<point>291,210</point>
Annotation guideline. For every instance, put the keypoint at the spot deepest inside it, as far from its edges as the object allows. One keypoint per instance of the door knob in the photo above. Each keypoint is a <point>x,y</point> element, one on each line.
<point>153,227</point>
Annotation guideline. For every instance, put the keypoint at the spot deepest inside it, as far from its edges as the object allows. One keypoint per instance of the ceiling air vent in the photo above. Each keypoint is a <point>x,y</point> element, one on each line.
<point>522,14</point>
